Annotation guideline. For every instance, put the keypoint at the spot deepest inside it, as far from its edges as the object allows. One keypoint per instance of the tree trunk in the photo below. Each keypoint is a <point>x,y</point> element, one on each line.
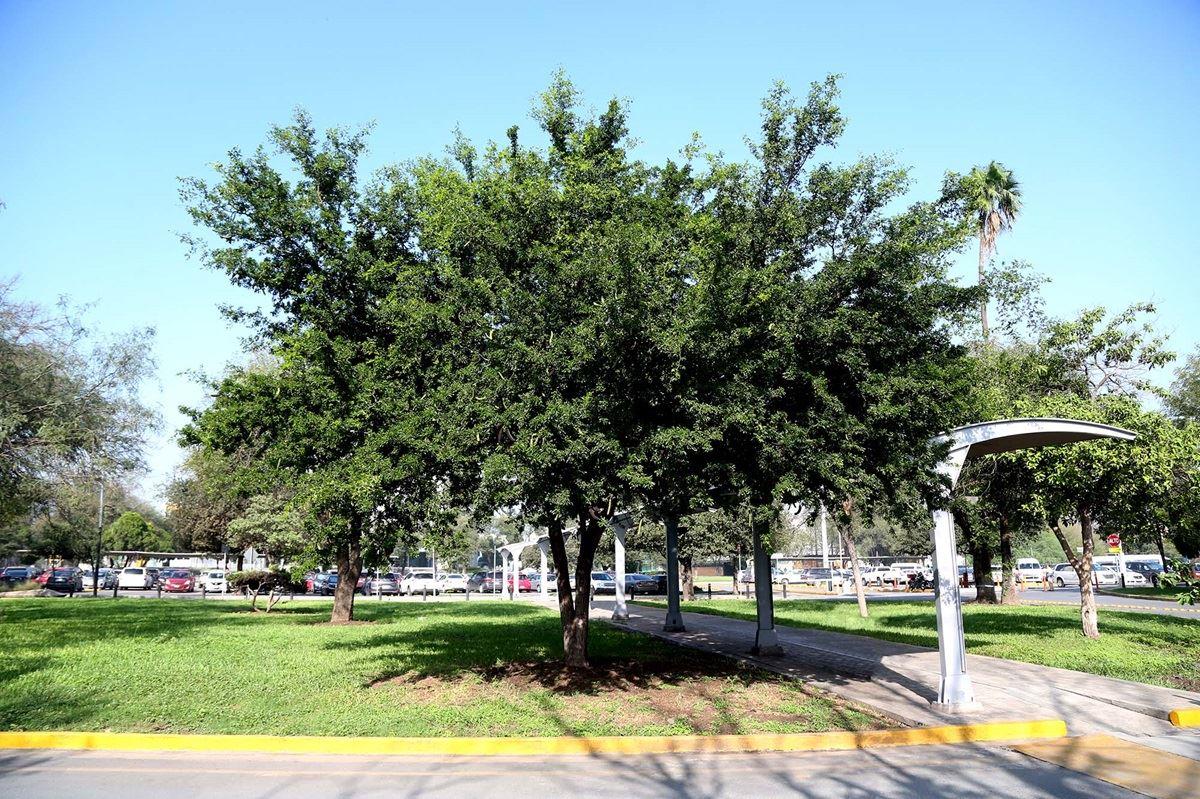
<point>1008,594</point>
<point>983,303</point>
<point>1087,596</point>
<point>574,611</point>
<point>241,561</point>
<point>1083,568</point>
<point>687,571</point>
<point>852,549</point>
<point>349,562</point>
<point>981,561</point>
<point>1162,553</point>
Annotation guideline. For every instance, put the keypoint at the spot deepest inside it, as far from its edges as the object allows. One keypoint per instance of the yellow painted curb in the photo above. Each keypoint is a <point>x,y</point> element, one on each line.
<point>1185,717</point>
<point>623,745</point>
<point>1143,769</point>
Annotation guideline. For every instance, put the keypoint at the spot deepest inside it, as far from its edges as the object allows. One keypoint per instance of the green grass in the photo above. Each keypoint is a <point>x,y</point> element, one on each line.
<point>1161,650</point>
<point>478,668</point>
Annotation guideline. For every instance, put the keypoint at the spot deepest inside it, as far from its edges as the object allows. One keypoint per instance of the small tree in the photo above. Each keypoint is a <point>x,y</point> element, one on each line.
<point>276,583</point>
<point>1102,483</point>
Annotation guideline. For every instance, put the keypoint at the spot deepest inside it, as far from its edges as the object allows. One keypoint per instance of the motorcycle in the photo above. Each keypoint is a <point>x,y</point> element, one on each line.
<point>919,582</point>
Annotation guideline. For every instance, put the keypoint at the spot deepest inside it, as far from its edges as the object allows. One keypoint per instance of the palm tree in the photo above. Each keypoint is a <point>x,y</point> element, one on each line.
<point>994,198</point>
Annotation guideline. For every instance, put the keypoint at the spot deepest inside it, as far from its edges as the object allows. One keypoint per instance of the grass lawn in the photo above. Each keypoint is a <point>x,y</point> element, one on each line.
<point>1162,650</point>
<point>429,669</point>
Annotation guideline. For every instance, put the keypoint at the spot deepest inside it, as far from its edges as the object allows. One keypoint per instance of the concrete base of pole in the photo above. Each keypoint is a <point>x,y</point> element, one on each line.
<point>674,625</point>
<point>956,708</point>
<point>766,642</point>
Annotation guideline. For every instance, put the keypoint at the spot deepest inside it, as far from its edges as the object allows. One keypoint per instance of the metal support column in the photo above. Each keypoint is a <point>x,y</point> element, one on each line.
<point>620,611</point>
<point>674,621</point>
<point>766,640</point>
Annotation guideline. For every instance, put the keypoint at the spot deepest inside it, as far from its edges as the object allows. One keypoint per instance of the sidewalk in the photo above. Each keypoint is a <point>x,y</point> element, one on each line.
<point>901,680</point>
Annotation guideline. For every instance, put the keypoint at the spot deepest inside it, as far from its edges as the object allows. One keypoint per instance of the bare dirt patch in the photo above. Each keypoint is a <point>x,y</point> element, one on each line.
<point>686,694</point>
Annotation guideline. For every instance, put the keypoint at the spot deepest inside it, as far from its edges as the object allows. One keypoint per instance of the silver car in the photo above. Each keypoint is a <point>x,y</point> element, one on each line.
<point>1063,575</point>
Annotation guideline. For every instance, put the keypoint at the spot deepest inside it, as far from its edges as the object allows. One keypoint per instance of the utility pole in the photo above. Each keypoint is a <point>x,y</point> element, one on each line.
<point>99,543</point>
<point>824,540</point>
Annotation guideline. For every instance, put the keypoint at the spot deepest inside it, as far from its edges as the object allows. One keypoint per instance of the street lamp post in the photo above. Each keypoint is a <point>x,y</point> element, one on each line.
<point>99,543</point>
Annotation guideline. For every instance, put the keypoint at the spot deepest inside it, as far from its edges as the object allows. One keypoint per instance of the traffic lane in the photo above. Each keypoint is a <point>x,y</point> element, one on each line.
<point>935,771</point>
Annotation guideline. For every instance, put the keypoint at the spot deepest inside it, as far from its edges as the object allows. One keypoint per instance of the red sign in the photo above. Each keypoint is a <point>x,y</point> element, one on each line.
<point>1114,540</point>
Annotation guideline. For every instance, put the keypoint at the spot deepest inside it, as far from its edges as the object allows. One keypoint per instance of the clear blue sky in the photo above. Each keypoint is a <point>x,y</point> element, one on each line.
<point>1096,106</point>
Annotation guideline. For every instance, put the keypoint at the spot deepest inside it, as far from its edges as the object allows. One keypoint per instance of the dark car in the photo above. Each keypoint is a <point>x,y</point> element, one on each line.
<point>641,584</point>
<point>1152,570</point>
<point>66,581</point>
<point>324,584</point>
<point>15,575</point>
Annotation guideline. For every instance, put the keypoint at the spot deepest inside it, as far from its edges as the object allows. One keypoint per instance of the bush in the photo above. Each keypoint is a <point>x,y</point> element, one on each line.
<point>274,583</point>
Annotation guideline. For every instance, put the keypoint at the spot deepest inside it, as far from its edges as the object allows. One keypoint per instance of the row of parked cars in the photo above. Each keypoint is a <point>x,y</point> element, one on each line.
<point>72,579</point>
<point>484,582</point>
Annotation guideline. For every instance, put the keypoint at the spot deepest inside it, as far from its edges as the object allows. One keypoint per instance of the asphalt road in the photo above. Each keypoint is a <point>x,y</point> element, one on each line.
<point>960,771</point>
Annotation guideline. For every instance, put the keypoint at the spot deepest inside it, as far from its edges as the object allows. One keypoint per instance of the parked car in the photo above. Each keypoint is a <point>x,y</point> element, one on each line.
<point>108,579</point>
<point>814,576</point>
<point>419,582</point>
<point>216,582</point>
<point>1030,570</point>
<point>324,584</point>
<point>1063,575</point>
<point>66,580</point>
<point>155,575</point>
<point>640,584</point>
<point>897,574</point>
<point>383,584</point>
<point>603,583</point>
<point>135,577</point>
<point>15,575</point>
<point>1139,570</point>
<point>453,582</point>
<point>177,581</point>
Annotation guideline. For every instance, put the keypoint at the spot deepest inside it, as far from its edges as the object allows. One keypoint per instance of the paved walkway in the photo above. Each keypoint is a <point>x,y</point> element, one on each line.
<point>901,680</point>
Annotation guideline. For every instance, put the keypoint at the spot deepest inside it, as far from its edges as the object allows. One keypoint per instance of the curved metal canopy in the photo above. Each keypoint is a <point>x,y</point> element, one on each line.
<point>1006,435</point>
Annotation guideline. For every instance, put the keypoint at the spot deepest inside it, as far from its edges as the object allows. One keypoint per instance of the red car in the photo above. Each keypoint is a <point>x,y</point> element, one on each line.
<point>177,580</point>
<point>43,577</point>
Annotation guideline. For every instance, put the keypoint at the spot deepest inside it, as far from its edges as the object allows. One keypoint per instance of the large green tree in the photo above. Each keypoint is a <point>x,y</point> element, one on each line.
<point>68,402</point>
<point>1183,400</point>
<point>353,411</point>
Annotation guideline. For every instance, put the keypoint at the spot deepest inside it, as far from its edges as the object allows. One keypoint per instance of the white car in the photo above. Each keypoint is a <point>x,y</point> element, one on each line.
<point>418,582</point>
<point>898,573</point>
<point>452,582</point>
<point>1063,575</point>
<point>135,577</point>
<point>215,582</point>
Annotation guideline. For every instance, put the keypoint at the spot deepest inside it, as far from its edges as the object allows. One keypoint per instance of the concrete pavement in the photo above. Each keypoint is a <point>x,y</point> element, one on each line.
<point>963,771</point>
<point>901,680</point>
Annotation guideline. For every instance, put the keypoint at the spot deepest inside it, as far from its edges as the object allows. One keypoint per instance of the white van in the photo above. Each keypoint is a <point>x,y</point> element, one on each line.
<point>1030,570</point>
<point>135,577</point>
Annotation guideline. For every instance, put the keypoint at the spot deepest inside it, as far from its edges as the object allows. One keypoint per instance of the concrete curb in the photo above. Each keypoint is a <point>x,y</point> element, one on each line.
<point>1185,717</point>
<point>1000,731</point>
